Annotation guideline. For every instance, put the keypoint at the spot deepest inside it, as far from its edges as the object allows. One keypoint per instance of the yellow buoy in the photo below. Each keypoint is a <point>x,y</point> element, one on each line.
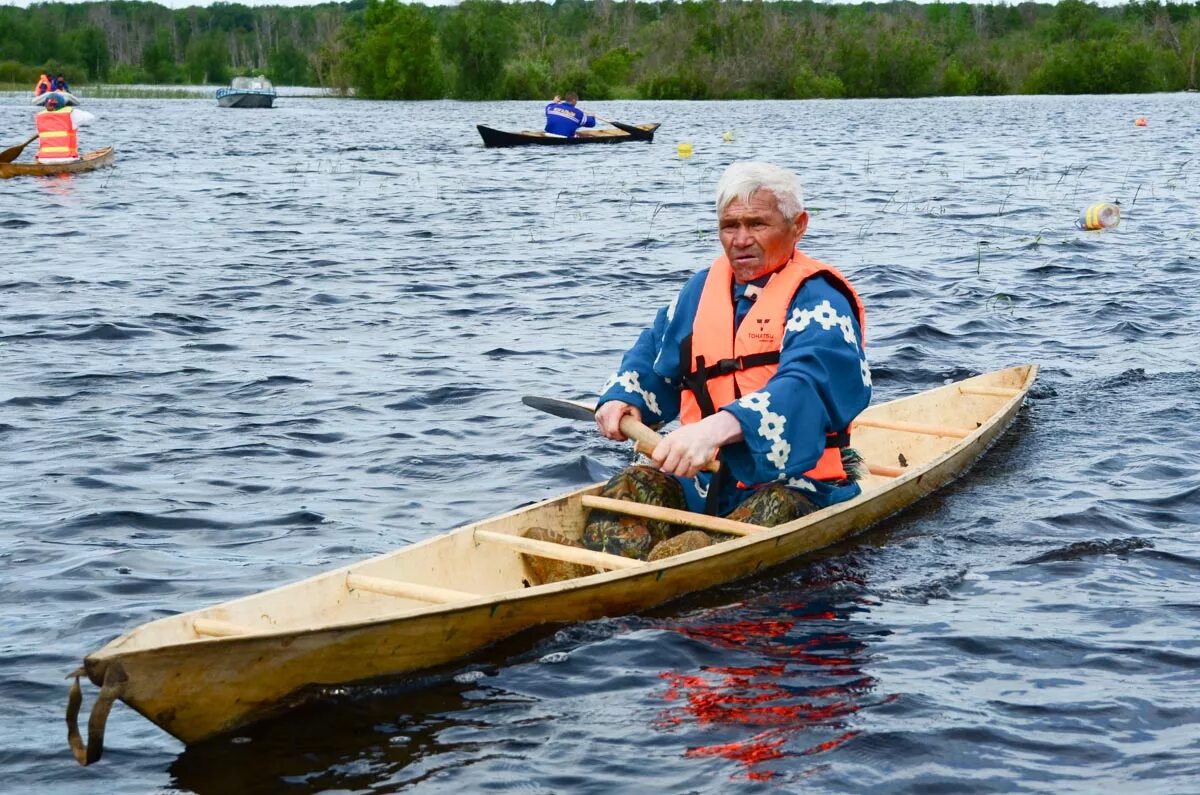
<point>684,149</point>
<point>727,136</point>
<point>1104,215</point>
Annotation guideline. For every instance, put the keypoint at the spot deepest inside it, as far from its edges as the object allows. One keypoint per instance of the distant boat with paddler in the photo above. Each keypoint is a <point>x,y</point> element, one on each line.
<point>620,133</point>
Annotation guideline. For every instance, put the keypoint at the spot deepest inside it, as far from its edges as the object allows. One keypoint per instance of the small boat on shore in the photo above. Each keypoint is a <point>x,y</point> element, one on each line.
<point>89,162</point>
<point>619,133</point>
<point>210,671</point>
<point>247,92</point>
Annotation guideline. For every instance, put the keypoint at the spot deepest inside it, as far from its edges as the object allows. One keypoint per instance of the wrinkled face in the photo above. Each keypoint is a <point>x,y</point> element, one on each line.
<point>757,237</point>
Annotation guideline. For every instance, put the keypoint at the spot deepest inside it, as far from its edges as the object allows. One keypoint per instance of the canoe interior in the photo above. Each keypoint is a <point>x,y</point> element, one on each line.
<point>948,417</point>
<point>87,162</point>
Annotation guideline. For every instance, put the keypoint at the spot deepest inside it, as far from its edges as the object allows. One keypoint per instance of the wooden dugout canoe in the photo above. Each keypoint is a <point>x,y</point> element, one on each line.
<point>210,671</point>
<point>89,162</point>
<point>620,133</point>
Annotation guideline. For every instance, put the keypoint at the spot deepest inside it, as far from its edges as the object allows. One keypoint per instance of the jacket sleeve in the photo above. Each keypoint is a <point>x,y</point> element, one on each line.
<point>637,383</point>
<point>650,373</point>
<point>822,383</point>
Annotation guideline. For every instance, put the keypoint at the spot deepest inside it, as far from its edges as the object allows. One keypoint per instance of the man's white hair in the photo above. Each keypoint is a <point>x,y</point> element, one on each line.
<point>742,179</point>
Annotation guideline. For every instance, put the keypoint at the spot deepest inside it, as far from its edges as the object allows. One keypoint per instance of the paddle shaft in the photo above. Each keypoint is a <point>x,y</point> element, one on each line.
<point>647,439</point>
<point>13,152</point>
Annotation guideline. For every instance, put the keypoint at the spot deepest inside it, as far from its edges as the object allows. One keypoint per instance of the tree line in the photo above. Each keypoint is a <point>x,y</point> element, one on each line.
<point>710,49</point>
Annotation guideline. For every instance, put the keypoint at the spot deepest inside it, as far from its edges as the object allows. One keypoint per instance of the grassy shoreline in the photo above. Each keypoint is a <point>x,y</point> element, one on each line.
<point>121,91</point>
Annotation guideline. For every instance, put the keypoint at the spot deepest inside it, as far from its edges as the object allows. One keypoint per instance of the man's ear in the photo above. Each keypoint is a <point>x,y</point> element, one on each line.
<point>801,224</point>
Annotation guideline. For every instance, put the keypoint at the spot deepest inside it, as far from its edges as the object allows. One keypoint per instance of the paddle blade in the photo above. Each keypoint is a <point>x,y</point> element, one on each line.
<point>13,152</point>
<point>568,409</point>
<point>636,132</point>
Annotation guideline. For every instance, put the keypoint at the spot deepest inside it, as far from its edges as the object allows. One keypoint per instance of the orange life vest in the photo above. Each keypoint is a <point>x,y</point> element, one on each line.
<point>723,365</point>
<point>43,85</point>
<point>56,135</point>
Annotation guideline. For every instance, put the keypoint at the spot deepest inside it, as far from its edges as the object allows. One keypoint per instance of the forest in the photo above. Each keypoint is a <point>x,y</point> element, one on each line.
<point>711,49</point>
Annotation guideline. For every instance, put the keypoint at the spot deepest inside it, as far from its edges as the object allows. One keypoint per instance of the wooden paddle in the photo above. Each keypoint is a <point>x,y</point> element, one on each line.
<point>13,152</point>
<point>643,435</point>
<point>634,131</point>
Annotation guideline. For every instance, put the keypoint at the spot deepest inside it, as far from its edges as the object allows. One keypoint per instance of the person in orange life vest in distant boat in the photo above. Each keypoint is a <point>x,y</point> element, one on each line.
<point>563,118</point>
<point>761,357</point>
<point>43,85</point>
<point>56,126</point>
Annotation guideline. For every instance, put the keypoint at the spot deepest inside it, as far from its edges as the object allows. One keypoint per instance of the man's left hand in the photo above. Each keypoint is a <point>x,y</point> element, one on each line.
<point>686,451</point>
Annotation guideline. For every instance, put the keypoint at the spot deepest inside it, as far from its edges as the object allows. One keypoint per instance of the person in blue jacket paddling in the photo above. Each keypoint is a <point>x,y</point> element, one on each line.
<point>563,118</point>
<point>761,357</point>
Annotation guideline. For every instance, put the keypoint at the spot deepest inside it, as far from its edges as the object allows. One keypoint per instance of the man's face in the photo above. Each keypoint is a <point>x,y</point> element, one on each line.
<point>757,237</point>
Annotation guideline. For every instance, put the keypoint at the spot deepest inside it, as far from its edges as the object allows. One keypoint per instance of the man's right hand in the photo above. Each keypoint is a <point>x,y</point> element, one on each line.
<point>608,418</point>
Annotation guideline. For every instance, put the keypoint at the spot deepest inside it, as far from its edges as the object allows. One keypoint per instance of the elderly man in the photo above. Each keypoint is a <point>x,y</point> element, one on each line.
<point>761,358</point>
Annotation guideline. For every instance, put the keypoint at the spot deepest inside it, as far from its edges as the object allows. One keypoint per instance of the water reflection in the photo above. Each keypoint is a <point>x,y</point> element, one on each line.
<point>796,700</point>
<point>348,738</point>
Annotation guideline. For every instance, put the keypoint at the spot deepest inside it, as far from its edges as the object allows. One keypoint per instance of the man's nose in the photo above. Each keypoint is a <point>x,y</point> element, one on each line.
<point>742,237</point>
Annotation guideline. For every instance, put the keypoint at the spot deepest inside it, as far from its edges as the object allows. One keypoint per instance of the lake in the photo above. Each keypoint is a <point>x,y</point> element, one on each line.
<point>268,343</point>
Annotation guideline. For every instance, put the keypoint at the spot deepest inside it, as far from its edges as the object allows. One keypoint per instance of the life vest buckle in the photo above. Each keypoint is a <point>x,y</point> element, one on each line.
<point>727,366</point>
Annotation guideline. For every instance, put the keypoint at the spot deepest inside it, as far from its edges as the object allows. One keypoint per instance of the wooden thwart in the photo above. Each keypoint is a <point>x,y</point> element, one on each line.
<point>216,628</point>
<point>547,549</point>
<point>672,515</point>
<point>406,590</point>
<point>914,427</point>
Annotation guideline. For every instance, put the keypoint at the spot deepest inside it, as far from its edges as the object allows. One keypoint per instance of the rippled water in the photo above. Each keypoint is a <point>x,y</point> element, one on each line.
<point>268,343</point>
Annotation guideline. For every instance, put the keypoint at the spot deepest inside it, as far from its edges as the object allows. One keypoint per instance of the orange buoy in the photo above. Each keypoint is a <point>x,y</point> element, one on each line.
<point>1140,121</point>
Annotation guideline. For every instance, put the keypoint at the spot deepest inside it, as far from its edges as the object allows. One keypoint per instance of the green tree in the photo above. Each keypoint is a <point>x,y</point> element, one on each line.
<point>396,55</point>
<point>287,65</point>
<point>478,39</point>
<point>207,59</point>
<point>158,59</point>
<point>89,46</point>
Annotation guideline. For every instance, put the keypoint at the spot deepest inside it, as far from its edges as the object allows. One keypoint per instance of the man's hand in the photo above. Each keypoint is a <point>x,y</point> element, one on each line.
<point>685,451</point>
<point>608,418</point>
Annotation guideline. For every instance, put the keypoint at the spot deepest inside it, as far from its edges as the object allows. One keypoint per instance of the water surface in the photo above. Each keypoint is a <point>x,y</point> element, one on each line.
<point>268,343</point>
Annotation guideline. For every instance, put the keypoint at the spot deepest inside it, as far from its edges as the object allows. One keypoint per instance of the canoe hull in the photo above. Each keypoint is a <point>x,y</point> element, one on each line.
<point>89,162</point>
<point>624,133</point>
<point>70,98</point>
<point>206,687</point>
<point>245,99</point>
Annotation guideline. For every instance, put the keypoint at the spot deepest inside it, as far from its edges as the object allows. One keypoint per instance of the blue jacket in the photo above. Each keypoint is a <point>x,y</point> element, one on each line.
<point>564,119</point>
<point>822,383</point>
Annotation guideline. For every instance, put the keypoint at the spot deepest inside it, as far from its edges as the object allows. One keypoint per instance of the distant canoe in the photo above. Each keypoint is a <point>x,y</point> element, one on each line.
<point>210,671</point>
<point>622,133</point>
<point>89,162</point>
<point>64,97</point>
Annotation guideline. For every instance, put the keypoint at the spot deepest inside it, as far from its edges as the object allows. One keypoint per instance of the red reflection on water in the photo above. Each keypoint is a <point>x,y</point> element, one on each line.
<point>777,698</point>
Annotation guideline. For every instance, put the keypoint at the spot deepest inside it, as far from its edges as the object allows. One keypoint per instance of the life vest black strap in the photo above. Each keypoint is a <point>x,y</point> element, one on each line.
<point>697,382</point>
<point>727,366</point>
<point>716,484</point>
<point>839,439</point>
